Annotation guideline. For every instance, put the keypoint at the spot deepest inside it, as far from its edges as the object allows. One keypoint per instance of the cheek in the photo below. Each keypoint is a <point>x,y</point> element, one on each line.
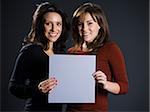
<point>46,29</point>
<point>60,31</point>
<point>96,30</point>
<point>80,31</point>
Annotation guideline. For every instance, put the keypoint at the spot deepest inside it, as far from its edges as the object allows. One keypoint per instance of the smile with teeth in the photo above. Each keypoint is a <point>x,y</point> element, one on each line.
<point>85,35</point>
<point>53,34</point>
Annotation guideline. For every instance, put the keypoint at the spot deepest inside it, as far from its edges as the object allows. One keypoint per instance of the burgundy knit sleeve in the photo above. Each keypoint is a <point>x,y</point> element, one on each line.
<point>117,64</point>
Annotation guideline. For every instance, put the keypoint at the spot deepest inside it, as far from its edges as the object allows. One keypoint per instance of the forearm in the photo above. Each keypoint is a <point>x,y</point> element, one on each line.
<point>22,91</point>
<point>112,87</point>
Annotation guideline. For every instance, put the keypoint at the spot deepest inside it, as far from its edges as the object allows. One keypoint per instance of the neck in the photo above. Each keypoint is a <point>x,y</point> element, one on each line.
<point>51,46</point>
<point>50,50</point>
<point>85,48</point>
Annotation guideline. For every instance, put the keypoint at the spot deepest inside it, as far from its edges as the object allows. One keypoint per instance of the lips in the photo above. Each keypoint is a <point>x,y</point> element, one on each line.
<point>53,34</point>
<point>85,35</point>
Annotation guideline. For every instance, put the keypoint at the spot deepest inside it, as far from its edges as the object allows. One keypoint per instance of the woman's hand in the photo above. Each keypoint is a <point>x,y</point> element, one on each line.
<point>47,85</point>
<point>101,78</point>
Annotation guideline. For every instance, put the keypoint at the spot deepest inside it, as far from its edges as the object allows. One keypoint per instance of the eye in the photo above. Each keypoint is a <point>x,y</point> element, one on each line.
<point>79,24</point>
<point>47,23</point>
<point>90,23</point>
<point>59,24</point>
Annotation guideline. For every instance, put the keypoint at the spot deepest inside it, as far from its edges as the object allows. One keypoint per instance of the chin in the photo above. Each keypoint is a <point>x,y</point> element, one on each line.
<point>88,41</point>
<point>53,39</point>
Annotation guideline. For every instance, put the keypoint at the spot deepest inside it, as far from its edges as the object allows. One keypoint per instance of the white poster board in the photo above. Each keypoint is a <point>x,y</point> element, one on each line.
<point>75,81</point>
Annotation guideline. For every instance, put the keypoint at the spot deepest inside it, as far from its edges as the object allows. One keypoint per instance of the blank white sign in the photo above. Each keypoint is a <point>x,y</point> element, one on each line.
<point>75,81</point>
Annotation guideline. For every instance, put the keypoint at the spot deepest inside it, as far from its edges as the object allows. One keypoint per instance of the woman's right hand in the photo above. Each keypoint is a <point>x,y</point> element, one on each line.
<point>47,85</point>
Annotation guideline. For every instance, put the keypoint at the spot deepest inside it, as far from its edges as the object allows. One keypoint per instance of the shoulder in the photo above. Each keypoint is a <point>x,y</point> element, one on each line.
<point>29,53</point>
<point>110,49</point>
<point>30,48</point>
<point>74,50</point>
<point>110,46</point>
<point>71,50</point>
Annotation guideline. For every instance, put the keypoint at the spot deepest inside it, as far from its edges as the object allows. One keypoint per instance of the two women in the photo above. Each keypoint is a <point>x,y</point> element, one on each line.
<point>91,36</point>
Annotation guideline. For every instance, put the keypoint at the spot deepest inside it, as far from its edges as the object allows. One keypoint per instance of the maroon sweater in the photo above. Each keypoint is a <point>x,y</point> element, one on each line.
<point>109,60</point>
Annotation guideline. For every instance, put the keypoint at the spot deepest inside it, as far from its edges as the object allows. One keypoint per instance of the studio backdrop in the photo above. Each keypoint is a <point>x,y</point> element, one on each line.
<point>128,22</point>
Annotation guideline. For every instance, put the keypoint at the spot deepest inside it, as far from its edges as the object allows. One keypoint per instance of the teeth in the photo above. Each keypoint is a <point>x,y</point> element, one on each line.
<point>85,34</point>
<point>52,34</point>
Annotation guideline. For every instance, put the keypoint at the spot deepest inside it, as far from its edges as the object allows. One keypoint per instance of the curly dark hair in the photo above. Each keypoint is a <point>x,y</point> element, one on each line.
<point>98,15</point>
<point>37,35</point>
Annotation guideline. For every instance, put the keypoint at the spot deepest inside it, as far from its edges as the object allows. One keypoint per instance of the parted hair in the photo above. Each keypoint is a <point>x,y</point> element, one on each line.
<point>36,34</point>
<point>98,16</point>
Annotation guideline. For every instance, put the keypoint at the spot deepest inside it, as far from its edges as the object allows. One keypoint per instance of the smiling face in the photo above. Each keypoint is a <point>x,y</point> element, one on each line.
<point>52,26</point>
<point>88,27</point>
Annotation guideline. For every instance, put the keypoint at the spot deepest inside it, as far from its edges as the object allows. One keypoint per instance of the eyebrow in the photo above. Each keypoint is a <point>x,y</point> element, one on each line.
<point>91,20</point>
<point>47,21</point>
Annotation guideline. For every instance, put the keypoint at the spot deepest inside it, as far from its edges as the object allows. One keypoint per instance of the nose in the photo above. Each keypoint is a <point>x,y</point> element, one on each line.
<point>53,28</point>
<point>84,27</point>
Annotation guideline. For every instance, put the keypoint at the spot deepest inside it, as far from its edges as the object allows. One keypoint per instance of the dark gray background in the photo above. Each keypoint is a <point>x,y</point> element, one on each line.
<point>128,21</point>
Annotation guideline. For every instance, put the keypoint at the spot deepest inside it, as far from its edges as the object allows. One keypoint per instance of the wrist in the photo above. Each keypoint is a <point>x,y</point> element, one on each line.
<point>105,86</point>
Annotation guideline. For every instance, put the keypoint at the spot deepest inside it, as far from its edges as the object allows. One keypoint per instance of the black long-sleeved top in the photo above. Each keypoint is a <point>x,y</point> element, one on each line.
<point>31,67</point>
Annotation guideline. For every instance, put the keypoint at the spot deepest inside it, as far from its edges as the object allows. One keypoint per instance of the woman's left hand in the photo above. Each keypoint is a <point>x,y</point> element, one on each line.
<point>47,85</point>
<point>101,78</point>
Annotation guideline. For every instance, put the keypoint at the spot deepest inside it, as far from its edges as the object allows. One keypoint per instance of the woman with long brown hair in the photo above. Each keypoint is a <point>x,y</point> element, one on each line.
<point>91,36</point>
